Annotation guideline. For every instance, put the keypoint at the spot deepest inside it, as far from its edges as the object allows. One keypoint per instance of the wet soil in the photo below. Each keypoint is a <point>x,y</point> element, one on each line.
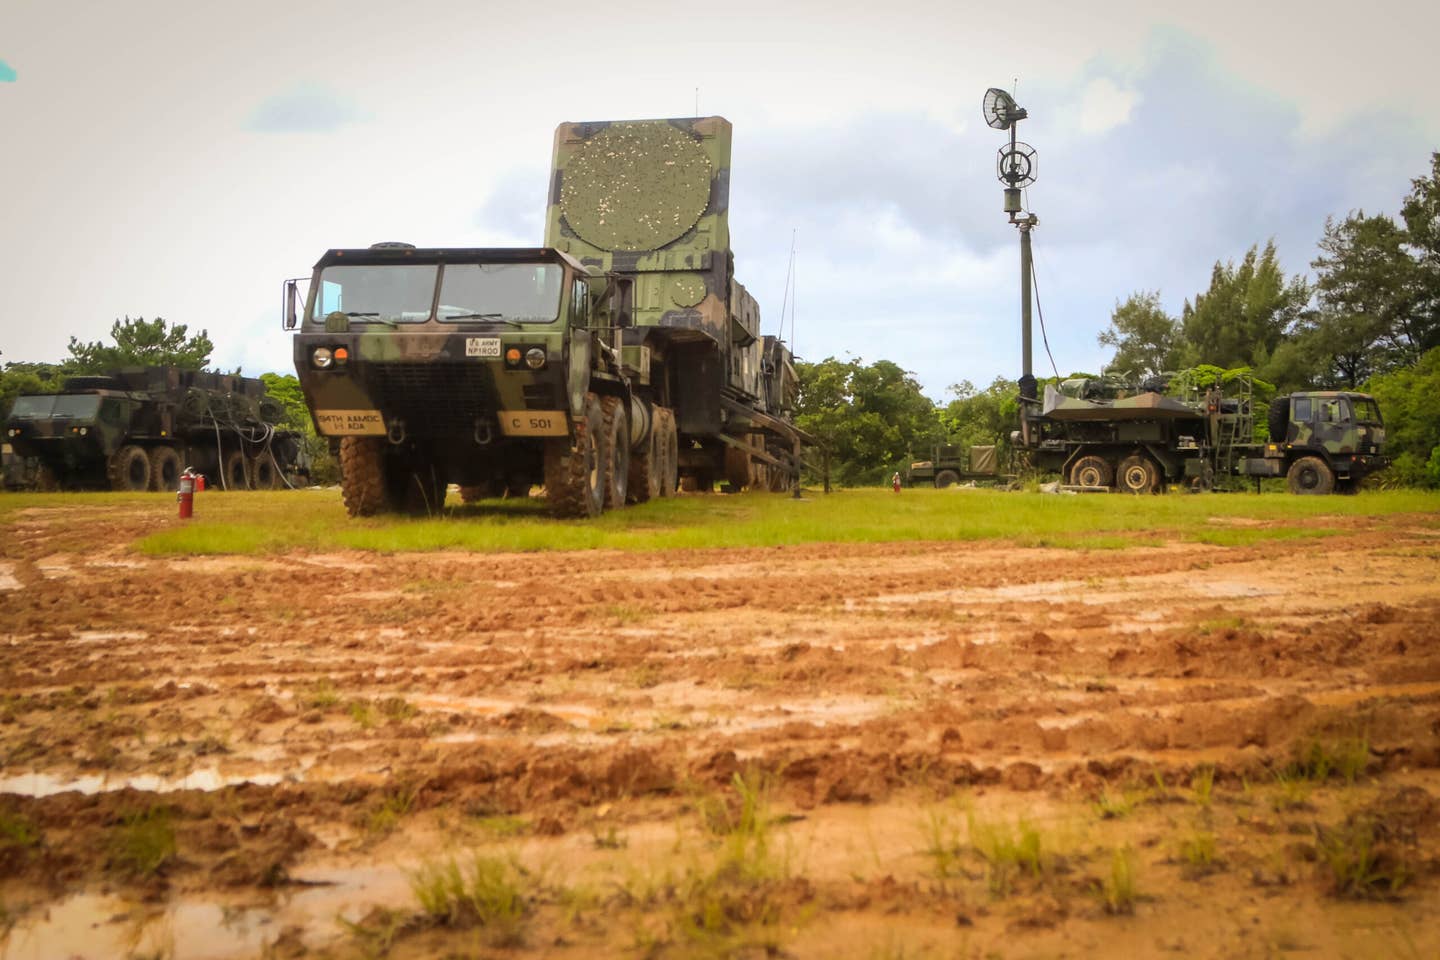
<point>235,757</point>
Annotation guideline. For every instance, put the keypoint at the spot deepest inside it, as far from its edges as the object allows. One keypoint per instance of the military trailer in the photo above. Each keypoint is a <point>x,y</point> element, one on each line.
<point>950,464</point>
<point>1103,435</point>
<point>138,428</point>
<point>609,366</point>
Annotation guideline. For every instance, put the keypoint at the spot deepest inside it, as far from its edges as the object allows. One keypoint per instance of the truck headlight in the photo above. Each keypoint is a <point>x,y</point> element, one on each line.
<point>534,358</point>
<point>322,357</point>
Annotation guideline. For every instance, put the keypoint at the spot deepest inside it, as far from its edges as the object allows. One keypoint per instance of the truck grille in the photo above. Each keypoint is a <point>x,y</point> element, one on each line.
<point>434,399</point>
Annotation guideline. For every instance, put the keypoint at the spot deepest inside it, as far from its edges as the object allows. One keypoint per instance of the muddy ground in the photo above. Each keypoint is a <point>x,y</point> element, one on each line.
<point>904,750</point>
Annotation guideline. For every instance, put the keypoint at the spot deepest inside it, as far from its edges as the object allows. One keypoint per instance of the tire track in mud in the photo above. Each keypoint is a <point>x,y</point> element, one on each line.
<point>551,683</point>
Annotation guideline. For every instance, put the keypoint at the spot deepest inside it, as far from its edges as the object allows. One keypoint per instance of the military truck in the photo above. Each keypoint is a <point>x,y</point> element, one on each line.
<point>1137,439</point>
<point>137,428</point>
<point>609,366</point>
<point>950,464</point>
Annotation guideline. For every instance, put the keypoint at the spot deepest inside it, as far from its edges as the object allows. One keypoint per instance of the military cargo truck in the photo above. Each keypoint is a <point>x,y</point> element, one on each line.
<point>607,366</point>
<point>137,428</point>
<point>950,464</point>
<point>1136,439</point>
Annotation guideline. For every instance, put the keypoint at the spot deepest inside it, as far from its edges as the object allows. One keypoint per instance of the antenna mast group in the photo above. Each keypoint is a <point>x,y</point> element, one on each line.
<point>1016,166</point>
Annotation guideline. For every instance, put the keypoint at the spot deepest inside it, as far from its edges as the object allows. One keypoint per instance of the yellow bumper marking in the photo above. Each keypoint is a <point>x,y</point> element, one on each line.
<point>350,423</point>
<point>534,423</point>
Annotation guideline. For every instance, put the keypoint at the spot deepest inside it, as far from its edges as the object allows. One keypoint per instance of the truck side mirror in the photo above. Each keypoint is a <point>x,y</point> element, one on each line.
<point>288,305</point>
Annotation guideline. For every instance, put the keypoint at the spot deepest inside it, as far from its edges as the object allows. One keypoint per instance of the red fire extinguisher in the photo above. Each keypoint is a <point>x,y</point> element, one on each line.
<point>186,496</point>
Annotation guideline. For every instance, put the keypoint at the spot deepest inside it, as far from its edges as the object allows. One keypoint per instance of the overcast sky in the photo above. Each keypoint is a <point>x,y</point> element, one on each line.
<point>183,159</point>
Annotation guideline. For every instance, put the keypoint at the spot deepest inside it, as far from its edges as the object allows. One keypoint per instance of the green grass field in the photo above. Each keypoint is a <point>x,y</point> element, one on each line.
<point>268,523</point>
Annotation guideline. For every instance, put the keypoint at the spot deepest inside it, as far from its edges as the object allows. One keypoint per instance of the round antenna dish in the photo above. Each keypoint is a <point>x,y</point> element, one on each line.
<point>1000,110</point>
<point>1016,165</point>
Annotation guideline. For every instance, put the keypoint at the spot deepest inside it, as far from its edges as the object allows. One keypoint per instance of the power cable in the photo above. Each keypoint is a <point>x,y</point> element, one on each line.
<point>1035,283</point>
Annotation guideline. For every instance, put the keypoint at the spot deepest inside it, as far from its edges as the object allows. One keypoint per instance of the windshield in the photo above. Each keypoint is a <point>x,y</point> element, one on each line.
<point>80,406</point>
<point>519,292</point>
<point>1366,410</point>
<point>394,293</point>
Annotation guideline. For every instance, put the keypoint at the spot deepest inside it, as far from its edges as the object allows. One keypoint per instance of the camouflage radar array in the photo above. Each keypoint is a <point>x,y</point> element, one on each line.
<point>609,366</point>
<point>649,201</point>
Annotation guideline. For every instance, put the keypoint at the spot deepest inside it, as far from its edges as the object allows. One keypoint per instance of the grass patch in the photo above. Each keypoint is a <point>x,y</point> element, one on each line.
<point>1359,866</point>
<point>1119,889</point>
<point>486,893</point>
<point>386,816</point>
<point>1202,786</point>
<point>322,695</point>
<point>144,843</point>
<point>1318,759</point>
<point>275,522</point>
<point>362,712</point>
<point>1198,853</point>
<point>17,832</point>
<point>502,825</point>
<point>397,709</point>
<point>1009,852</point>
<point>1114,806</point>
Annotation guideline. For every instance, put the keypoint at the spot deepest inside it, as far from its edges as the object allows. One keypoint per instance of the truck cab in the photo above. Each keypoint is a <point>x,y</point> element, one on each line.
<point>1322,441</point>
<point>456,365</point>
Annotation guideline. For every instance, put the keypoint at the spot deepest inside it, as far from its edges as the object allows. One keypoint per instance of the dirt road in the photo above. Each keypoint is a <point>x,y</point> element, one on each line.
<point>859,751</point>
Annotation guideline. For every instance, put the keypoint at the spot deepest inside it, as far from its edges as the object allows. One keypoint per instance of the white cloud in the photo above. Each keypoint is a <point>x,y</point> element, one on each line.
<point>1105,106</point>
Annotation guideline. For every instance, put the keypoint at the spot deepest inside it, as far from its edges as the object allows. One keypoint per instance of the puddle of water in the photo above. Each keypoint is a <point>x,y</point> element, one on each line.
<point>105,636</point>
<point>96,926</point>
<point>38,784</point>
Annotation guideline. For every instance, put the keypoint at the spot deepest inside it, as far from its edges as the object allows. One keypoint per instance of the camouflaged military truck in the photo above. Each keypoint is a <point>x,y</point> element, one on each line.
<point>137,428</point>
<point>608,366</point>
<point>1107,435</point>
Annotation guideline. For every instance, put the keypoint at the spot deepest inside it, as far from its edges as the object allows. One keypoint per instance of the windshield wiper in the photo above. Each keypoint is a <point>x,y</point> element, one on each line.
<point>373,318</point>
<point>480,316</point>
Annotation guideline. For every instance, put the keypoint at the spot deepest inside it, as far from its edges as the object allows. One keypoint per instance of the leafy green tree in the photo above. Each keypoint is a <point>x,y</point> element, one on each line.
<point>285,387</point>
<point>140,343</point>
<point>986,416</point>
<point>1370,290</point>
<point>27,379</point>
<point>1245,314</point>
<point>1409,400</point>
<point>1421,213</point>
<point>872,417</point>
<point>1146,338</point>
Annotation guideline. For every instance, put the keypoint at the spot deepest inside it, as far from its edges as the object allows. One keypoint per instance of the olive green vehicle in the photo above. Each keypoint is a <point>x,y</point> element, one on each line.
<point>610,366</point>
<point>1101,434</point>
<point>950,464</point>
<point>137,428</point>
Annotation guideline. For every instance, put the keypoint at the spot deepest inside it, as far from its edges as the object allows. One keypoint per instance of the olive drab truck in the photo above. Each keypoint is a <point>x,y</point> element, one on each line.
<point>137,428</point>
<point>1102,434</point>
<point>609,366</point>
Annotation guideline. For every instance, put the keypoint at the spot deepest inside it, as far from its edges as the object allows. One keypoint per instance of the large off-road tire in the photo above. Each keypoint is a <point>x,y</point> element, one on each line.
<point>1137,474</point>
<point>45,480</point>
<point>616,451</point>
<point>1092,471</point>
<point>165,469</point>
<point>669,451</point>
<point>1310,475</point>
<point>263,474</point>
<point>234,473</point>
<point>645,466</point>
<point>737,468</point>
<point>416,484</point>
<point>574,475</point>
<point>362,476</point>
<point>946,478</point>
<point>129,469</point>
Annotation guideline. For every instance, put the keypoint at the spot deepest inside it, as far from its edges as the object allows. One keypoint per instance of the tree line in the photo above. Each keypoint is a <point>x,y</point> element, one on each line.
<point>1368,320</point>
